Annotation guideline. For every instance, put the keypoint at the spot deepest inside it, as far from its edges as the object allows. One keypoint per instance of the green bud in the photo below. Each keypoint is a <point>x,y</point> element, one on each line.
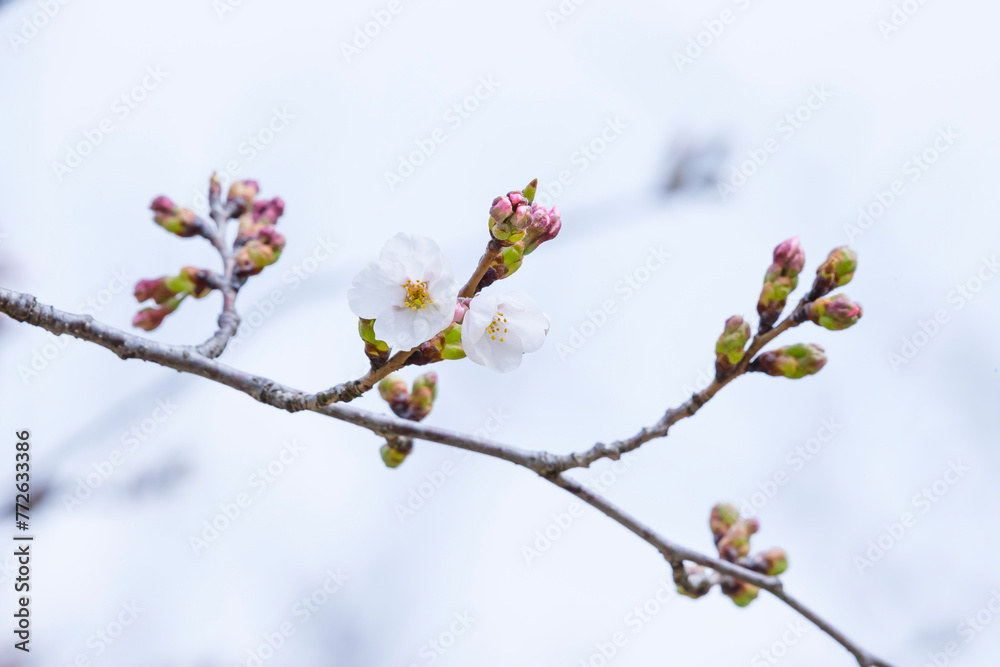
<point>422,398</point>
<point>391,388</point>
<point>835,313</point>
<point>740,592</point>
<point>836,271</point>
<point>723,516</point>
<point>735,544</point>
<point>772,562</point>
<point>793,362</point>
<point>427,381</point>
<point>392,457</point>
<point>772,300</point>
<point>730,346</point>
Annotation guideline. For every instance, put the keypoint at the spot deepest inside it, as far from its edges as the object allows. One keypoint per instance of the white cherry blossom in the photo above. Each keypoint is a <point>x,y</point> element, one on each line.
<point>499,329</point>
<point>410,292</point>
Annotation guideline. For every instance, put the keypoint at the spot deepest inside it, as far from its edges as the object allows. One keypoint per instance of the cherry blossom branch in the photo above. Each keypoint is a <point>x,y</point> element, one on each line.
<point>26,308</point>
<point>348,391</point>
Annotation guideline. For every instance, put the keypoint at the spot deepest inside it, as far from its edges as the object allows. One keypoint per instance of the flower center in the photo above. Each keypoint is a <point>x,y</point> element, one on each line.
<point>498,327</point>
<point>416,295</point>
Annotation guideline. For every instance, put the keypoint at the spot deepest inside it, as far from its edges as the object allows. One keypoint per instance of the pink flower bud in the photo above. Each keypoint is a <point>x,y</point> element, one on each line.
<point>501,209</point>
<point>180,221</point>
<point>268,210</point>
<point>154,288</point>
<point>545,226</point>
<point>163,204</point>
<point>789,259</point>
<point>148,319</point>
<point>241,194</point>
<point>516,199</point>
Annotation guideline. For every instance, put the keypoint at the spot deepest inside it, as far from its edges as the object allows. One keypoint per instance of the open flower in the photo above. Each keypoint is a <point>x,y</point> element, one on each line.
<point>499,329</point>
<point>410,292</point>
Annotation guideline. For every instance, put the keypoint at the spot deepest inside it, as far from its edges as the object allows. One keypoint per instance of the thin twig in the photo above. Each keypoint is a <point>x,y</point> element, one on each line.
<point>615,449</point>
<point>348,391</point>
<point>469,290</point>
<point>229,319</point>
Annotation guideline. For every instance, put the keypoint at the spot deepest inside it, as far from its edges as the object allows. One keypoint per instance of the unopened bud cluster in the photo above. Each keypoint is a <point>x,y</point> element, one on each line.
<point>406,403</point>
<point>257,245</point>
<point>835,313</point>
<point>732,539</point>
<point>518,226</point>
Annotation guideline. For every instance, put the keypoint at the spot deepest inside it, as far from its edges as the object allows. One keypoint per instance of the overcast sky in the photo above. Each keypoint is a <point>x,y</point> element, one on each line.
<point>849,122</point>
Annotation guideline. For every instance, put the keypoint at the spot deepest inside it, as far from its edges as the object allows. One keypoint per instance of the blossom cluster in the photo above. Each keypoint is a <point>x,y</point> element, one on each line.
<point>410,300</point>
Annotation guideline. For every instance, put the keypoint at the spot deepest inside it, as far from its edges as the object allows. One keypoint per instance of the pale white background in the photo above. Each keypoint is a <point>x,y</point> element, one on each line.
<point>334,507</point>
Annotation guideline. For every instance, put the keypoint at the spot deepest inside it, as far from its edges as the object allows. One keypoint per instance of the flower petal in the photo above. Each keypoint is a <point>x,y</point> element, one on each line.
<point>372,291</point>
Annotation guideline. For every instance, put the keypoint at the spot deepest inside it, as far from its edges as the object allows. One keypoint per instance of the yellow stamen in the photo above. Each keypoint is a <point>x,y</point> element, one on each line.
<point>495,326</point>
<point>416,295</point>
